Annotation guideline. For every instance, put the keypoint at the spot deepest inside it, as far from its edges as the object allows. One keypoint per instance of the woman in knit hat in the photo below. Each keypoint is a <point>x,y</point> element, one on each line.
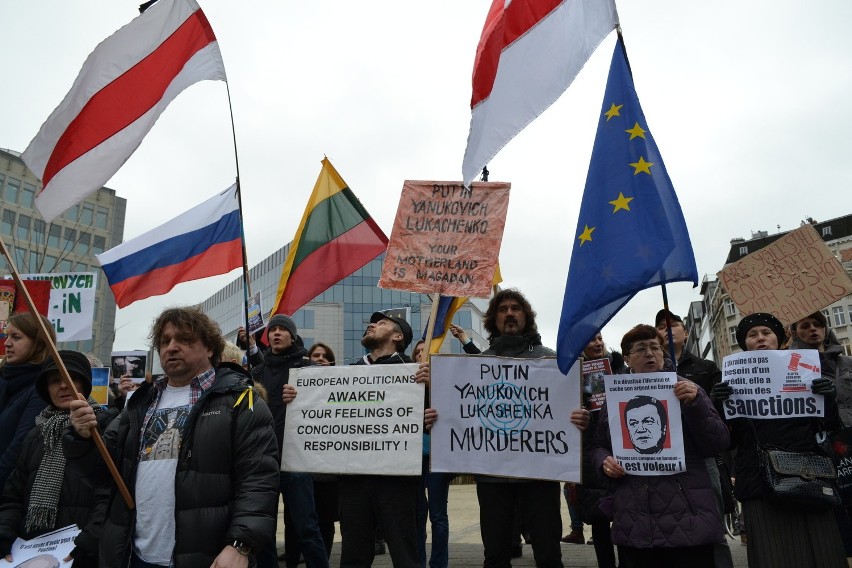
<point>778,536</point>
<point>43,493</point>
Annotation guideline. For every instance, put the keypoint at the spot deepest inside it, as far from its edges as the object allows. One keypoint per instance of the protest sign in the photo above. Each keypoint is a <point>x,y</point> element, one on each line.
<point>594,393</point>
<point>644,423</point>
<point>790,278</point>
<point>100,385</point>
<point>45,551</point>
<point>72,303</point>
<point>772,384</point>
<point>446,238</point>
<point>355,419</point>
<point>132,363</point>
<point>255,314</point>
<point>504,416</point>
<point>12,301</point>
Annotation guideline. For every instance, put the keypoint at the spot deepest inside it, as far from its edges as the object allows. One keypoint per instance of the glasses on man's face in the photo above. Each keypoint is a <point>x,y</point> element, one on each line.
<point>655,349</point>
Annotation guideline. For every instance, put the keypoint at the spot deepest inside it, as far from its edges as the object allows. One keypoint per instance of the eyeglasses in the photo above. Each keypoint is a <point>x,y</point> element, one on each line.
<point>642,350</point>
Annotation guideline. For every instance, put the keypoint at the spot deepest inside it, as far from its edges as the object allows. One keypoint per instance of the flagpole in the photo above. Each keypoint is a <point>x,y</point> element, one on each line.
<point>246,280</point>
<point>669,325</point>
<point>63,372</point>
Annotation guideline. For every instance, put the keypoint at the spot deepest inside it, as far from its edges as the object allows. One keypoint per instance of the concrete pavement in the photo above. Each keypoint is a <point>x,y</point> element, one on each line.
<point>466,546</point>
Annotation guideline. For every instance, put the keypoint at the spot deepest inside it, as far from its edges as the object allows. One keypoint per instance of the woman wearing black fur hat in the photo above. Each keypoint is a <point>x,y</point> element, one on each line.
<point>42,493</point>
<point>780,537</point>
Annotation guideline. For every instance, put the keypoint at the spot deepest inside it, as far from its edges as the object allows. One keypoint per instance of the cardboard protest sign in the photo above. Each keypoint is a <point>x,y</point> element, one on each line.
<point>72,303</point>
<point>446,238</point>
<point>790,278</point>
<point>255,314</point>
<point>594,393</point>
<point>133,363</point>
<point>12,301</point>
<point>100,385</point>
<point>644,423</point>
<point>45,551</point>
<point>504,416</point>
<point>772,384</point>
<point>355,419</point>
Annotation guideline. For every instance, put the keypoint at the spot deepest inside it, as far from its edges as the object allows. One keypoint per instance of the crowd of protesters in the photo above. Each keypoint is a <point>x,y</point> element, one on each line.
<point>201,458</point>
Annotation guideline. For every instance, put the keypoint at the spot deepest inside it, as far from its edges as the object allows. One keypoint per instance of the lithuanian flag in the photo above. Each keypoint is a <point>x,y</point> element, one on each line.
<point>335,238</point>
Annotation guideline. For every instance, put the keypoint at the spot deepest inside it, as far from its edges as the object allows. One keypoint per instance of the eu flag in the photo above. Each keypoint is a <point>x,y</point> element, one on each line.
<point>631,234</point>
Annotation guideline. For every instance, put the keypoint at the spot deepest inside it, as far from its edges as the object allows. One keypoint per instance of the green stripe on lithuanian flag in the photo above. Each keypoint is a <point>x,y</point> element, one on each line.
<point>335,238</point>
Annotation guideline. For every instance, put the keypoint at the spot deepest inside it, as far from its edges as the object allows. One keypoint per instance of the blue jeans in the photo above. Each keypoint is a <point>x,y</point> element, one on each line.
<point>432,500</point>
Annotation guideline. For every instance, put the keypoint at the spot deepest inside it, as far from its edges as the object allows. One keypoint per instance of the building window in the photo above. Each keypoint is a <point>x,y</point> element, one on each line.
<point>71,213</point>
<point>20,258</point>
<point>101,217</point>
<point>839,316</point>
<point>83,243</point>
<point>732,332</point>
<point>49,263</point>
<point>826,231</point>
<point>28,195</point>
<point>730,307</point>
<point>12,187</point>
<point>827,317</point>
<point>98,244</point>
<point>34,263</point>
<point>65,266</point>
<point>38,231</point>
<point>70,239</point>
<point>53,235</point>
<point>7,223</point>
<point>87,214</point>
<point>23,231</point>
<point>743,251</point>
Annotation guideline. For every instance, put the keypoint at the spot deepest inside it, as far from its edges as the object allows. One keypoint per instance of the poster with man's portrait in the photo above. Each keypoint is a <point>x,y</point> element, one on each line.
<point>129,363</point>
<point>644,423</point>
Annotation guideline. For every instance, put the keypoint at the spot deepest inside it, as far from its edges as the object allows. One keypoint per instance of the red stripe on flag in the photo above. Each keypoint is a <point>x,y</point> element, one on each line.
<point>502,28</point>
<point>218,259</point>
<point>329,264</point>
<point>135,92</point>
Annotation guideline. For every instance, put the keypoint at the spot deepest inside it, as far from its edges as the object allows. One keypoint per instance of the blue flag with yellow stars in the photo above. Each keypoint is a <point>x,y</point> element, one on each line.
<point>631,234</point>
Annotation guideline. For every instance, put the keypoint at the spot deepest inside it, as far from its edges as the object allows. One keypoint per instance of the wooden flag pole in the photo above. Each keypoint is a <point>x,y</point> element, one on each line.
<point>60,365</point>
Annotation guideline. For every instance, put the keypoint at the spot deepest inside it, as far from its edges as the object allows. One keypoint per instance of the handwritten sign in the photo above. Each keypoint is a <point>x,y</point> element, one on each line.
<point>72,303</point>
<point>356,419</point>
<point>504,416</point>
<point>773,384</point>
<point>644,423</point>
<point>790,278</point>
<point>446,238</point>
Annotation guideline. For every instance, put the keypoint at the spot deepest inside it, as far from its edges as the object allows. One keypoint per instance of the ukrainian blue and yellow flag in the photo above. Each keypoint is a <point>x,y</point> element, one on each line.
<point>631,234</point>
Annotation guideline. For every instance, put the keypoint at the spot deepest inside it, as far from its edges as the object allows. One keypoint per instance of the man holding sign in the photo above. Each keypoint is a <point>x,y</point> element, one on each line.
<point>652,440</point>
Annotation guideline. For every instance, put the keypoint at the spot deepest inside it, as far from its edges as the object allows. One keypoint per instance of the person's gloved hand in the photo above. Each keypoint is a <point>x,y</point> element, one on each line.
<point>721,391</point>
<point>824,387</point>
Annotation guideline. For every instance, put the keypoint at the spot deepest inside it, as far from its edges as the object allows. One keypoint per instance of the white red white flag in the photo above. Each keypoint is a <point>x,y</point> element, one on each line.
<point>123,87</point>
<point>530,51</point>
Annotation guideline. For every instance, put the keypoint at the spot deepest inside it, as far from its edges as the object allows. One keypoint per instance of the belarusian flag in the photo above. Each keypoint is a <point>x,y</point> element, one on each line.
<point>335,238</point>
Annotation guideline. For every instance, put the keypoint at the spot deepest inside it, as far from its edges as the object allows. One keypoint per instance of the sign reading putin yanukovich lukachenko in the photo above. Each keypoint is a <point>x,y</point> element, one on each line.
<point>355,419</point>
<point>505,416</point>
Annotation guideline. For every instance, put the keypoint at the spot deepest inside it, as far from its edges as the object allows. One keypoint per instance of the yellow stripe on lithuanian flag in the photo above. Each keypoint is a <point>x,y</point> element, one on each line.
<point>335,238</point>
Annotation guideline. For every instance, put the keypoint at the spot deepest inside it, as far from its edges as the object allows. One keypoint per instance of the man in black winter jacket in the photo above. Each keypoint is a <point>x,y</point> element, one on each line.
<point>301,524</point>
<point>197,452</point>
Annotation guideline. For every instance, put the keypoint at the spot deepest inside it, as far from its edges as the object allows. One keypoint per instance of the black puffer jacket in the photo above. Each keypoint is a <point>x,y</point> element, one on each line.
<point>226,484</point>
<point>700,371</point>
<point>76,498</point>
<point>19,406</point>
<point>273,373</point>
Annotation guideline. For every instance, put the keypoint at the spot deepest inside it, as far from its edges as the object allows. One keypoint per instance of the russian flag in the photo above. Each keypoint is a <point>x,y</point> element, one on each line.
<point>204,241</point>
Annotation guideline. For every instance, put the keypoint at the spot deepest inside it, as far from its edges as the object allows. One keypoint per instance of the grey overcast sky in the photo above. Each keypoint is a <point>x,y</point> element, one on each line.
<point>748,103</point>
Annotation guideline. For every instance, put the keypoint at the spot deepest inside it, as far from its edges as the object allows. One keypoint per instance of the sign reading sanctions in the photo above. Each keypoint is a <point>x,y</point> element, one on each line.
<point>356,419</point>
<point>507,417</point>
<point>773,384</point>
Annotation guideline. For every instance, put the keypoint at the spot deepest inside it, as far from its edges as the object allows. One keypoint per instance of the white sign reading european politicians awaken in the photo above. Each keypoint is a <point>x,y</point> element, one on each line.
<point>355,419</point>
<point>504,416</point>
<point>773,384</point>
<point>644,423</point>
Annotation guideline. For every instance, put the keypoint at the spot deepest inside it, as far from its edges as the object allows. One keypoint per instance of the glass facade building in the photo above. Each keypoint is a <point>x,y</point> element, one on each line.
<point>339,315</point>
